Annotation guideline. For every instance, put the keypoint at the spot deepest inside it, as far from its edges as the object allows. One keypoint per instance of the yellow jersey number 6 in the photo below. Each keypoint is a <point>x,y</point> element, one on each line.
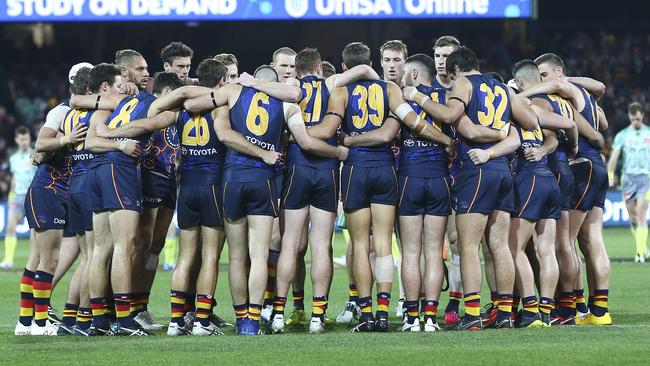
<point>257,118</point>
<point>196,132</point>
<point>493,117</point>
<point>124,116</point>
<point>372,97</point>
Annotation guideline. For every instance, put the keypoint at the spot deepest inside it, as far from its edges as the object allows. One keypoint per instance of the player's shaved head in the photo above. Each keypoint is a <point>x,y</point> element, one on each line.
<point>266,72</point>
<point>123,58</point>
<point>423,63</point>
<point>526,74</point>
<point>103,73</point>
<point>211,73</point>
<point>81,83</point>
<point>283,51</point>
<point>462,60</point>
<point>307,61</point>
<point>164,80</point>
<point>356,53</point>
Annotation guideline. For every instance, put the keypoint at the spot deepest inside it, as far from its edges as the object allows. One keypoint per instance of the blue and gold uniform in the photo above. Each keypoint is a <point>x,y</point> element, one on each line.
<point>80,214</point>
<point>436,84</point>
<point>487,187</point>
<point>424,183</point>
<point>589,170</point>
<point>248,187</point>
<point>159,169</point>
<point>114,178</point>
<point>368,174</point>
<point>537,194</point>
<point>200,197</point>
<point>310,179</point>
<point>558,161</point>
<point>45,202</point>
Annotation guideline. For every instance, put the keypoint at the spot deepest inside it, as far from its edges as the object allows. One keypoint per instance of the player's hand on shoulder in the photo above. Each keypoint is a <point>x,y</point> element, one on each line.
<point>245,79</point>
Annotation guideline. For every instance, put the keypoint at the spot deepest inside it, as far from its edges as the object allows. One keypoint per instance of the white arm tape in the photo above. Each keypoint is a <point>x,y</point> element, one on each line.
<point>122,144</point>
<point>412,94</point>
<point>402,110</point>
<point>384,269</point>
<point>295,119</point>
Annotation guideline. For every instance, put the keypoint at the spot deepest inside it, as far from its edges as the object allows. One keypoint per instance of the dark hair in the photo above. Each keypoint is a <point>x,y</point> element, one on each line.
<point>550,58</point>
<point>635,108</point>
<point>164,80</point>
<point>463,58</point>
<point>175,50</point>
<point>81,81</point>
<point>102,73</point>
<point>264,71</point>
<point>307,60</point>
<point>424,62</point>
<point>356,53</point>
<point>496,76</point>
<point>227,59</point>
<point>445,41</point>
<point>328,69</point>
<point>210,72</point>
<point>394,45</point>
<point>122,56</point>
<point>22,130</point>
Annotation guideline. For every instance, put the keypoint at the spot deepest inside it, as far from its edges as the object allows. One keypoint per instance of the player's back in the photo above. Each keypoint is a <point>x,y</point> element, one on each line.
<point>80,155</point>
<point>203,155</point>
<point>529,140</point>
<point>313,106</point>
<point>160,156</point>
<point>489,105</point>
<point>563,108</point>
<point>129,109</point>
<point>260,119</point>
<point>419,155</point>
<point>367,110</point>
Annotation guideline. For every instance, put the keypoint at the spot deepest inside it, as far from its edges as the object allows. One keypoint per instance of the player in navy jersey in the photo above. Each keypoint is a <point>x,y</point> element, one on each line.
<point>46,212</point>
<point>591,182</point>
<point>369,177</point>
<point>310,193</point>
<point>484,192</point>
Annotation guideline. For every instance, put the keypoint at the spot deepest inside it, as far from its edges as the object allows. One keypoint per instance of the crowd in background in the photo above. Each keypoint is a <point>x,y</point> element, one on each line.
<point>34,79</point>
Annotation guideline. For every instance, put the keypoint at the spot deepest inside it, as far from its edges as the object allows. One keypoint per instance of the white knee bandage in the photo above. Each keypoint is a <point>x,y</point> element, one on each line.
<point>384,269</point>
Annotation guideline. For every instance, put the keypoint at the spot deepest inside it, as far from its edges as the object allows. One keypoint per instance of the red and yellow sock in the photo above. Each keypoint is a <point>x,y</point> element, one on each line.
<point>581,304</point>
<point>98,311</point>
<point>84,318</point>
<point>42,288</point>
<point>203,308</point>
<point>546,305</point>
<point>254,311</point>
<point>412,313</point>
<point>271,265</point>
<point>472,303</point>
<point>365,303</point>
<point>177,301</point>
<point>298,299</point>
<point>353,294</point>
<point>530,304</point>
<point>279,303</point>
<point>240,311</point>
<point>27,298</point>
<point>505,304</point>
<point>454,301</point>
<point>123,310</point>
<point>565,305</point>
<point>430,310</point>
<point>383,303</point>
<point>318,307</point>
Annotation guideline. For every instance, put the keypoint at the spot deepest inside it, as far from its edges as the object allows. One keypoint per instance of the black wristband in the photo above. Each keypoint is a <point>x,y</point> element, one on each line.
<point>335,114</point>
<point>214,102</point>
<point>461,101</point>
<point>97,101</point>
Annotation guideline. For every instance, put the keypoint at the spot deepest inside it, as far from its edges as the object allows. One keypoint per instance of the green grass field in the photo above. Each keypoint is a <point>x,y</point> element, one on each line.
<point>624,343</point>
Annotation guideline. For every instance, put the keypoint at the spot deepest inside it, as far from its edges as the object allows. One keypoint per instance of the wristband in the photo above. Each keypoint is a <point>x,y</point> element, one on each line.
<point>214,102</point>
<point>334,114</point>
<point>97,101</point>
<point>460,100</point>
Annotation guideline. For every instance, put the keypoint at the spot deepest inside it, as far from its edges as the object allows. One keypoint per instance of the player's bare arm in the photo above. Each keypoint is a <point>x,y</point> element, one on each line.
<point>383,135</point>
<point>50,140</point>
<point>479,133</point>
<point>603,123</point>
<point>96,101</point>
<point>235,141</point>
<point>197,101</point>
<point>98,144</point>
<point>296,125</point>
<point>332,120</point>
<point>359,72</point>
<point>593,86</point>
<point>587,131</point>
<point>456,101</point>
<point>505,147</point>
<point>283,91</point>
<point>562,88</point>
<point>139,127</point>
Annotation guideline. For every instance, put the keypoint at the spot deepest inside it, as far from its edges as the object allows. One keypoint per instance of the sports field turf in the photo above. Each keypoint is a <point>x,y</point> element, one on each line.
<point>625,343</point>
